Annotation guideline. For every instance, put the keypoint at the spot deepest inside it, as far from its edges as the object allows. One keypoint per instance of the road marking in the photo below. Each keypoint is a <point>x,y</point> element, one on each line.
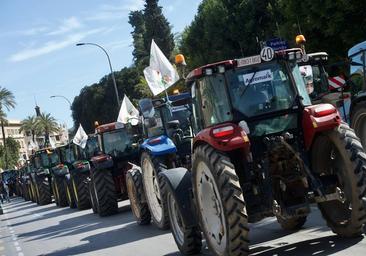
<point>18,248</point>
<point>2,248</point>
<point>11,231</point>
<point>20,254</point>
<point>16,244</point>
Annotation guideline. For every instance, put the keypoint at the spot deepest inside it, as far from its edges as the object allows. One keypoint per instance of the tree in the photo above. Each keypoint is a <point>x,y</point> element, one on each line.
<point>7,100</point>
<point>29,125</point>
<point>47,124</point>
<point>147,25</point>
<point>9,156</point>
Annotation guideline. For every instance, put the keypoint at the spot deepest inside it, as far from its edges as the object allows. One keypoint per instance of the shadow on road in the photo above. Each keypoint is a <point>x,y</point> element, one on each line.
<point>131,232</point>
<point>320,246</point>
<point>77,225</point>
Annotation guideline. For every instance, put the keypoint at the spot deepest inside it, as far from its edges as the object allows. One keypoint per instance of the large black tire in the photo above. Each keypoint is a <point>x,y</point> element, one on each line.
<point>292,224</point>
<point>136,194</point>
<point>220,202</point>
<point>358,121</point>
<point>105,192</point>
<point>188,239</point>
<point>69,194</point>
<point>339,153</point>
<point>80,190</point>
<point>26,195</point>
<point>32,192</point>
<point>43,191</point>
<point>59,189</point>
<point>92,196</point>
<point>155,194</point>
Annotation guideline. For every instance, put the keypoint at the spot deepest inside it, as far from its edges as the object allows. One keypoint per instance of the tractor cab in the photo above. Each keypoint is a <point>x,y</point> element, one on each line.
<point>357,58</point>
<point>120,141</point>
<point>167,125</point>
<point>45,159</point>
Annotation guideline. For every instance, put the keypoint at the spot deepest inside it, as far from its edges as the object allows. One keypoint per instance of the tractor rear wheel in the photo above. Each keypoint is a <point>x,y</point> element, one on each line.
<point>291,224</point>
<point>92,196</point>
<point>80,190</point>
<point>105,192</point>
<point>32,193</point>
<point>136,194</point>
<point>60,191</point>
<point>25,192</point>
<point>358,122</point>
<point>155,194</point>
<point>220,202</point>
<point>69,194</point>
<point>43,191</point>
<point>188,239</point>
<point>339,157</point>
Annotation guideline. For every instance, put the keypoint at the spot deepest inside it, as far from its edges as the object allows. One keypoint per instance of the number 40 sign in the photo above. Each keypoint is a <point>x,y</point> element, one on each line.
<point>267,54</point>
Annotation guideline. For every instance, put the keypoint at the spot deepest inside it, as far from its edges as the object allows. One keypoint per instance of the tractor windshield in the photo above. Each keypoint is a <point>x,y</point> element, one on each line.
<point>91,147</point>
<point>117,143</point>
<point>49,159</point>
<point>264,88</point>
<point>68,154</point>
<point>357,55</point>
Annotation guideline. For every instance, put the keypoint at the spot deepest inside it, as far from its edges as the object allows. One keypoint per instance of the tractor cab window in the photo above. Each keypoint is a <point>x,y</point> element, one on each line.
<point>45,160</point>
<point>117,142</point>
<point>214,102</point>
<point>92,147</point>
<point>261,89</point>
<point>299,81</point>
<point>54,158</point>
<point>37,162</point>
<point>357,56</point>
<point>68,154</point>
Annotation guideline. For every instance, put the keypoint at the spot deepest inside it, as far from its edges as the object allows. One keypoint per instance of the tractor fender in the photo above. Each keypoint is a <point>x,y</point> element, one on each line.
<point>81,167</point>
<point>60,170</point>
<point>361,97</point>
<point>157,146</point>
<point>179,184</point>
<point>101,162</point>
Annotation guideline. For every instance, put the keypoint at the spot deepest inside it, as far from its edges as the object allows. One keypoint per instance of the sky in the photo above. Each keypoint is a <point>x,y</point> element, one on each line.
<point>38,56</point>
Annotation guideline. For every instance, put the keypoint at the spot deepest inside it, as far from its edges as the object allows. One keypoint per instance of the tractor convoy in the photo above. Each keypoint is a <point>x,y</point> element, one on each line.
<point>254,137</point>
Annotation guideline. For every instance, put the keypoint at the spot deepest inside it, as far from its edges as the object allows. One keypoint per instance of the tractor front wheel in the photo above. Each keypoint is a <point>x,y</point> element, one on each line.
<point>220,202</point>
<point>136,194</point>
<point>339,159</point>
<point>43,191</point>
<point>155,194</point>
<point>188,239</point>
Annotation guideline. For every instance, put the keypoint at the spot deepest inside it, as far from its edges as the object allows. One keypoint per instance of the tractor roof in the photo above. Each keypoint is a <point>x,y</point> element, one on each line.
<point>228,64</point>
<point>109,127</point>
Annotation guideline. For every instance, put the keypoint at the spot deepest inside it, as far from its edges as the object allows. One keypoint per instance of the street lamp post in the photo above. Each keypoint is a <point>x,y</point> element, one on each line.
<point>110,67</point>
<point>61,96</point>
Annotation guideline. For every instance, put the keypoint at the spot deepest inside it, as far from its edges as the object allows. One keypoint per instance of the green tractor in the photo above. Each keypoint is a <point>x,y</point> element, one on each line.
<point>43,161</point>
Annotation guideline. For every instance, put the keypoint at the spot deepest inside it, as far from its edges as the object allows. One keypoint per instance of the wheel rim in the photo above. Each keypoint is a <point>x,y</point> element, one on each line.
<point>211,208</point>
<point>68,195</point>
<point>75,190</point>
<point>360,128</point>
<point>152,190</point>
<point>175,219</point>
<point>337,212</point>
<point>133,198</point>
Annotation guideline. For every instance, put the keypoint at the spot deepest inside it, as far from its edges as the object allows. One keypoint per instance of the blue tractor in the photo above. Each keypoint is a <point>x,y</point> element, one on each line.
<point>167,144</point>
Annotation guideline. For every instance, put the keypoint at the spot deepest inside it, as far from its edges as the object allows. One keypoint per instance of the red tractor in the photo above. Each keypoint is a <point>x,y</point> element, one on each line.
<point>118,144</point>
<point>262,149</point>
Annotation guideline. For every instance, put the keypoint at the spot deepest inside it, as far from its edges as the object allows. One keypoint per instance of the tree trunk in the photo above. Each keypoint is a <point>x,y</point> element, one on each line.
<point>4,141</point>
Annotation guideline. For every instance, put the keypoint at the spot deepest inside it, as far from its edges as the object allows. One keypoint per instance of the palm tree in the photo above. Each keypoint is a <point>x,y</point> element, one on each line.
<point>7,100</point>
<point>29,124</point>
<point>47,124</point>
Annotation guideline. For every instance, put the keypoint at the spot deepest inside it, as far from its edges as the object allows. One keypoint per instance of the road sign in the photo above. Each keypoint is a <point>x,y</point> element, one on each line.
<point>267,54</point>
<point>277,44</point>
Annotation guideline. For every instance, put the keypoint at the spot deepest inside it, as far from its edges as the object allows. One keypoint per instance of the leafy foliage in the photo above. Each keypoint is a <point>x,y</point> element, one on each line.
<point>12,153</point>
<point>29,126</point>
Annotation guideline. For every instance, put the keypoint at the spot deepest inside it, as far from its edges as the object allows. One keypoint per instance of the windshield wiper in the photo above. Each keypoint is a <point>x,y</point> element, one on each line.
<point>250,82</point>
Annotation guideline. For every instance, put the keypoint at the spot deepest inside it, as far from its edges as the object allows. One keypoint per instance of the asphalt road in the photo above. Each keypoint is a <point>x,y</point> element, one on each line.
<point>27,229</point>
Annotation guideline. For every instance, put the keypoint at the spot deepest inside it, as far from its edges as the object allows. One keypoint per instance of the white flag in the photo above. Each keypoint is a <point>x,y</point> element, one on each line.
<point>52,142</point>
<point>127,111</point>
<point>80,137</point>
<point>160,75</point>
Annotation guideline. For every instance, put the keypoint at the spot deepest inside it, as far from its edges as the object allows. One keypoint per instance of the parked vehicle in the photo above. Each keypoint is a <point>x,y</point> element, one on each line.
<point>262,149</point>
<point>347,95</point>
<point>42,161</point>
<point>118,144</point>
<point>167,143</point>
